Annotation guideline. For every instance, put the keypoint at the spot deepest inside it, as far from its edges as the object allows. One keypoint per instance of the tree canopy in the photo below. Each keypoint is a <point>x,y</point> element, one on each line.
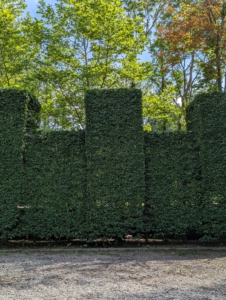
<point>72,46</point>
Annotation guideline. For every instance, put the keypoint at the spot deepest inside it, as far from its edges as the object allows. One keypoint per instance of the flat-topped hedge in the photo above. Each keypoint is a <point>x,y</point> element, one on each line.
<point>112,179</point>
<point>115,162</point>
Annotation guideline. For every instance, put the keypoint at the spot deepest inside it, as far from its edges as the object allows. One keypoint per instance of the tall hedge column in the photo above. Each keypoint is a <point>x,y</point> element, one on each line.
<point>18,114</point>
<point>206,116</point>
<point>115,162</point>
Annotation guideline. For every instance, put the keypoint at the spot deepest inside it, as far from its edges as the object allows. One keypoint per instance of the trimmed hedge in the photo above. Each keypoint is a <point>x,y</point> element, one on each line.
<point>18,113</point>
<point>55,185</point>
<point>207,117</point>
<point>112,179</point>
<point>173,187</point>
<point>115,162</point>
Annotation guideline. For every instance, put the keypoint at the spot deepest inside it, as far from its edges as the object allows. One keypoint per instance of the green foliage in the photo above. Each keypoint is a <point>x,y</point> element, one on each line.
<point>162,112</point>
<point>112,179</point>
<point>115,162</point>
<point>18,112</point>
<point>54,184</point>
<point>85,44</point>
<point>172,178</point>
<point>206,117</point>
<point>17,48</point>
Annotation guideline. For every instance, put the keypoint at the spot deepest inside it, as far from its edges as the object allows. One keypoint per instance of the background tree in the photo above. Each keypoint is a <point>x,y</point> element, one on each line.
<point>196,35</point>
<point>17,49</point>
<point>85,44</point>
<point>161,109</point>
<point>78,45</point>
<point>187,51</point>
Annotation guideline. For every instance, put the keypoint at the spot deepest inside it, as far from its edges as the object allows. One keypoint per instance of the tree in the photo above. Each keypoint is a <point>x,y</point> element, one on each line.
<point>85,44</point>
<point>16,49</point>
<point>188,56</point>
<point>163,112</point>
<point>197,32</point>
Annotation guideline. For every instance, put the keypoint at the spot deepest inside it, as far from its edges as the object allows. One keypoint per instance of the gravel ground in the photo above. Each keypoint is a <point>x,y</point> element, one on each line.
<point>154,274</point>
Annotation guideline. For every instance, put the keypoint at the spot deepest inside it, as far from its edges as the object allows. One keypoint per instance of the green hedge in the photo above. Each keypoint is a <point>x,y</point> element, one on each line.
<point>173,189</point>
<point>115,162</point>
<point>112,179</point>
<point>207,117</point>
<point>18,113</point>
<point>55,184</point>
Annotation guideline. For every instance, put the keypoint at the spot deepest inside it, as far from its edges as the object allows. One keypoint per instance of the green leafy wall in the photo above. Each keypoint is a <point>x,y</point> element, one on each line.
<point>18,114</point>
<point>115,162</point>
<point>172,178</point>
<point>112,179</point>
<point>54,185</point>
<point>206,116</point>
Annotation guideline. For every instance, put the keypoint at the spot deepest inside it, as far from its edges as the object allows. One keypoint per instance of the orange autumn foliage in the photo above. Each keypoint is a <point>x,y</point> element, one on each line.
<point>198,26</point>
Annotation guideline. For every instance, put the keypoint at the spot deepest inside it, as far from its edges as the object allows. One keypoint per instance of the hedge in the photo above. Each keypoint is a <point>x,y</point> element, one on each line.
<point>206,116</point>
<point>112,179</point>
<point>18,114</point>
<point>115,162</point>
<point>55,185</point>
<point>173,187</point>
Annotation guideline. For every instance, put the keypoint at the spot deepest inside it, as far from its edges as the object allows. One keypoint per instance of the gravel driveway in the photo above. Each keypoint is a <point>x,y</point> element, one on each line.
<point>152,274</point>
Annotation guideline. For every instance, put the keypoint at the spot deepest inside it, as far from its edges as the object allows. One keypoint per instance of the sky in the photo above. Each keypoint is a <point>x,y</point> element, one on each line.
<point>32,5</point>
<point>32,8</point>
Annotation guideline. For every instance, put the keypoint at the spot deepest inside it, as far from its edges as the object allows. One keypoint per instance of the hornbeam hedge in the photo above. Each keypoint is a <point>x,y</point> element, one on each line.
<point>206,117</point>
<point>112,179</point>
<point>115,162</point>
<point>18,114</point>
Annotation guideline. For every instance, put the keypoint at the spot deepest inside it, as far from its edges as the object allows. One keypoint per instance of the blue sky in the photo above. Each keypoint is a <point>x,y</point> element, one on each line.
<point>32,8</point>
<point>32,5</point>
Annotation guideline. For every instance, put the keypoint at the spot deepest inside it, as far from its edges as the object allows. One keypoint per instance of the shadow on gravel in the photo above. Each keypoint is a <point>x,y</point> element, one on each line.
<point>214,292</point>
<point>76,274</point>
<point>28,259</point>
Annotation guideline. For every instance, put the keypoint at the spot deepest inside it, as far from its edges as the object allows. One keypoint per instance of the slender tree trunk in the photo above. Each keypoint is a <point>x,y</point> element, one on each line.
<point>218,62</point>
<point>219,76</point>
<point>224,81</point>
<point>164,126</point>
<point>179,126</point>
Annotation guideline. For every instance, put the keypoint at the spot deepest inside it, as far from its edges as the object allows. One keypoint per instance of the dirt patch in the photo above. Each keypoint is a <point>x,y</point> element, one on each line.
<point>73,274</point>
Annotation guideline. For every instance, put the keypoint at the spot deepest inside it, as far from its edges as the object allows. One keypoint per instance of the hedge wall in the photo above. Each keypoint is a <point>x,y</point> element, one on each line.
<point>207,117</point>
<point>115,162</point>
<point>173,187</point>
<point>55,184</point>
<point>112,179</point>
<point>18,113</point>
